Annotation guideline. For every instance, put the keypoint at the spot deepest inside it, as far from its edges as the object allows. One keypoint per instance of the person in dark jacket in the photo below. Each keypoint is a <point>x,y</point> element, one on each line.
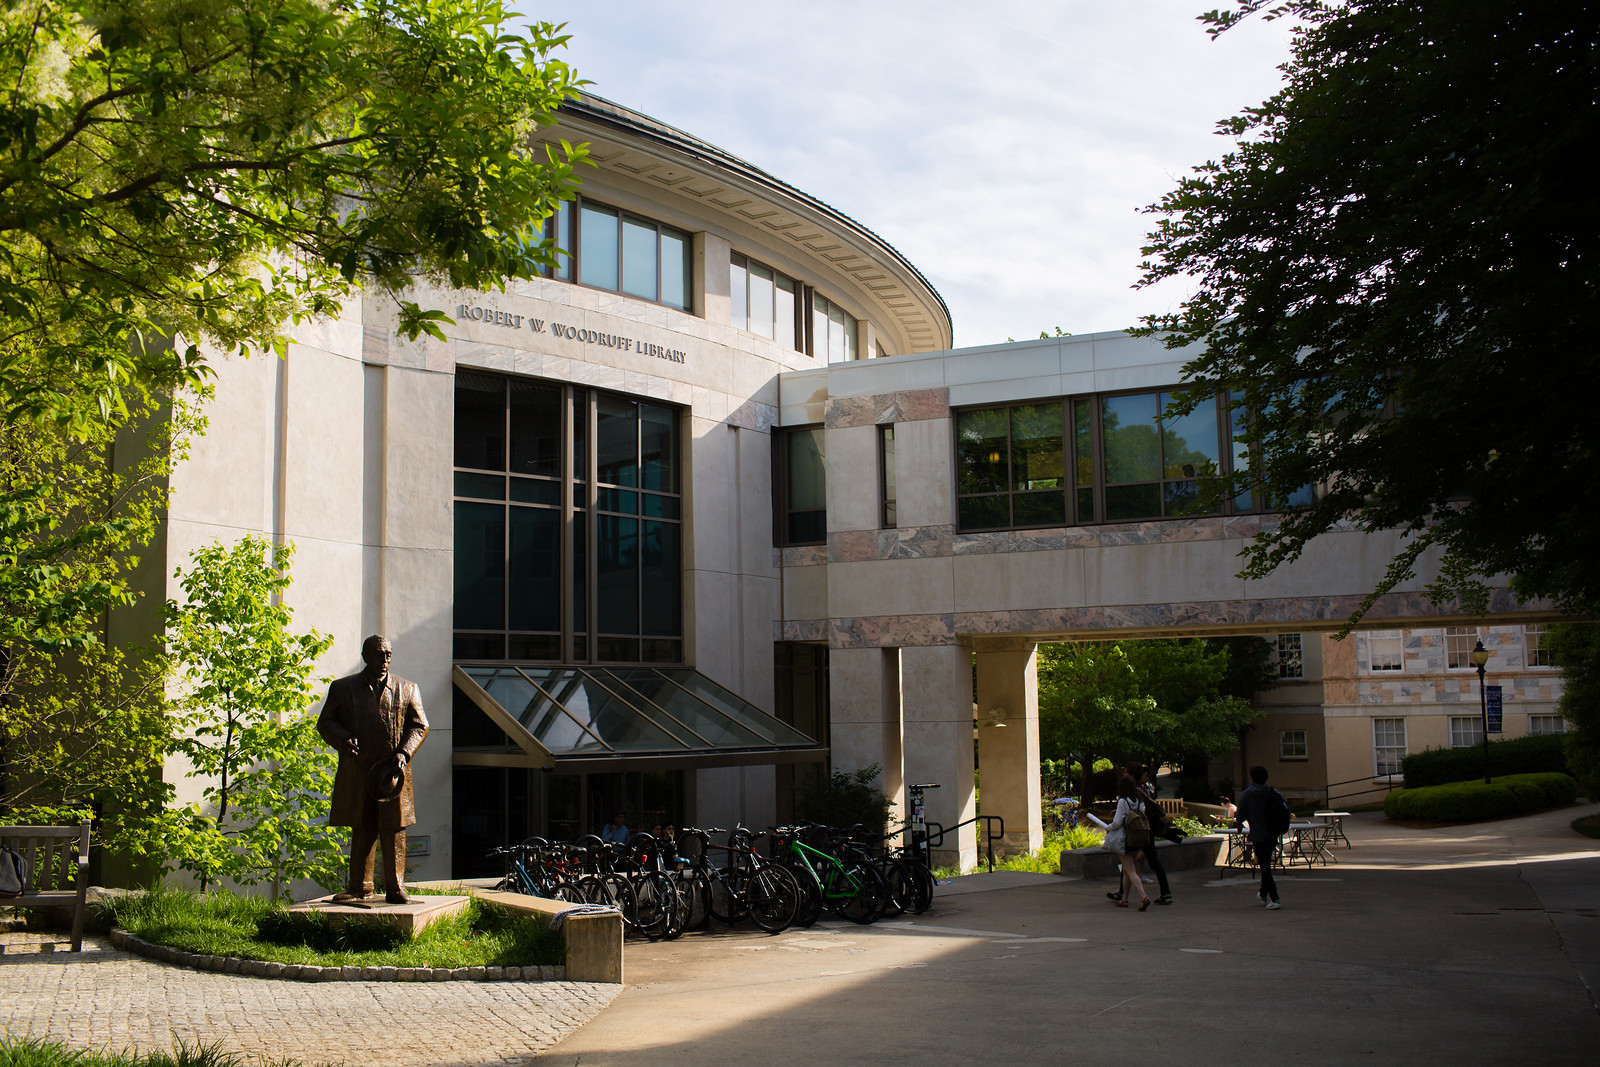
<point>1256,806</point>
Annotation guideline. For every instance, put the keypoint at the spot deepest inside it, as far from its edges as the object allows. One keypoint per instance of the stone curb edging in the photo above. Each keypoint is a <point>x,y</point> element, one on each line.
<point>311,972</point>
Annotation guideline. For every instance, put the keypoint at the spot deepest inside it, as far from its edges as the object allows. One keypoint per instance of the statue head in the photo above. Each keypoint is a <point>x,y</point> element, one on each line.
<point>375,651</point>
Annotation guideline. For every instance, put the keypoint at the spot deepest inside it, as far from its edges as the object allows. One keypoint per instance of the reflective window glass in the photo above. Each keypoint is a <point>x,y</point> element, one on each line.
<point>658,447</point>
<point>761,300</point>
<point>597,246</point>
<point>533,586</point>
<point>661,581</point>
<point>480,421</point>
<point>1129,439</point>
<point>784,311</point>
<point>1083,458</point>
<point>639,258</point>
<point>982,452</point>
<point>1036,448</point>
<point>738,291</point>
<point>561,232</point>
<point>617,429</point>
<point>617,574</point>
<point>677,269</point>
<point>480,536</point>
<point>535,426</point>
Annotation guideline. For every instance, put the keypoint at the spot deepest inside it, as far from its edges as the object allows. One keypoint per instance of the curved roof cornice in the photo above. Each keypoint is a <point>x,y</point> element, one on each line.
<point>906,299</point>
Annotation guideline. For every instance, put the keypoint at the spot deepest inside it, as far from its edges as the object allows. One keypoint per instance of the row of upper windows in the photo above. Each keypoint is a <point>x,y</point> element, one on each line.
<point>1386,648</point>
<point>606,248</point>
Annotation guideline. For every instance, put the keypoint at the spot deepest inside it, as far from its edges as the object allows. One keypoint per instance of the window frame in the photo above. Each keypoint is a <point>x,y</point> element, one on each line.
<point>888,479</point>
<point>1456,657</point>
<point>1398,636</point>
<point>581,500</point>
<point>1287,743</point>
<point>781,509</point>
<point>744,262</point>
<point>569,218</point>
<point>1085,478</point>
<point>1544,717</point>
<point>1378,763</point>
<point>1536,650</point>
<point>1287,655</point>
<point>1466,731</point>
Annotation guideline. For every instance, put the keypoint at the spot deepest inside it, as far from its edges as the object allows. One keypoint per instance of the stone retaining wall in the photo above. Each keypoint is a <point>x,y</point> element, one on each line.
<point>311,972</point>
<point>1098,863</point>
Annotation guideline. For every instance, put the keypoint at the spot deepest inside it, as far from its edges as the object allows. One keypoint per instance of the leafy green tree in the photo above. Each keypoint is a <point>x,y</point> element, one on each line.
<point>246,685</point>
<point>1389,281</point>
<point>844,798</point>
<point>1152,701</point>
<point>74,515</point>
<point>183,172</point>
<point>212,169</point>
<point>1575,648</point>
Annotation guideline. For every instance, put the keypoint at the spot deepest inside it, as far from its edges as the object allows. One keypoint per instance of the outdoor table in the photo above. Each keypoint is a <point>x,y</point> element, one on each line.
<point>1335,821</point>
<point>1309,845</point>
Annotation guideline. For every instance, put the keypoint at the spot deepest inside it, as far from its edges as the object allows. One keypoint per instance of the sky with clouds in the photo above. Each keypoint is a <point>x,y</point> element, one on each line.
<point>1005,148</point>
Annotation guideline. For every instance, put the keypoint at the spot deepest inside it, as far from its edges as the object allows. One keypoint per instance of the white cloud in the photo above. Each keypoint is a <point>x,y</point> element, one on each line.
<point>1004,148</point>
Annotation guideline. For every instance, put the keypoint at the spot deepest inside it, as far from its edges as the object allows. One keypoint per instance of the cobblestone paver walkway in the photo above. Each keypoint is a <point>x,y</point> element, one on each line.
<point>105,998</point>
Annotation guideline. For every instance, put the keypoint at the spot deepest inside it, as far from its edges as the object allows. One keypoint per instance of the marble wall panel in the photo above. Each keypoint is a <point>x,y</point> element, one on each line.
<point>753,450</point>
<point>872,377</point>
<point>805,593</point>
<point>891,587</point>
<point>323,446</point>
<point>1018,582</point>
<point>854,494</point>
<point>711,497</point>
<point>419,444</point>
<point>924,479</point>
<point>1005,392</point>
<point>800,630</point>
<point>849,411</point>
<point>887,631</point>
<point>917,405</point>
<point>229,477</point>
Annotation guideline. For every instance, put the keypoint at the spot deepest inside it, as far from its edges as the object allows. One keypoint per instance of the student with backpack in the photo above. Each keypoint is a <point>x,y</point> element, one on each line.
<point>1128,833</point>
<point>1266,812</point>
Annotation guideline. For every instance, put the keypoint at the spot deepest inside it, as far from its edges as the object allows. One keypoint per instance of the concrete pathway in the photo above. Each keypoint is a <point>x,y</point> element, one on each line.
<point>1463,945</point>
<point>105,998</point>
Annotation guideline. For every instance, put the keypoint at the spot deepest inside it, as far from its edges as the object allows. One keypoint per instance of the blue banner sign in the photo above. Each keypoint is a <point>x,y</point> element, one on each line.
<point>1492,699</point>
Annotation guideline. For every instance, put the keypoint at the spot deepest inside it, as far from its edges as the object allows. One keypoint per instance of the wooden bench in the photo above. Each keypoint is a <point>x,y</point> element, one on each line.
<point>1172,806</point>
<point>60,876</point>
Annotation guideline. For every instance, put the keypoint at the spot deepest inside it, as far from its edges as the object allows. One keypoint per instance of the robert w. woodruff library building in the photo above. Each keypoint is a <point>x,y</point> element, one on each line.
<point>715,509</point>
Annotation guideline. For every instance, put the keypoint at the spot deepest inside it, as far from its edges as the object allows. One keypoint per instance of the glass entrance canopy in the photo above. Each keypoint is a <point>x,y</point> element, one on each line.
<point>610,718</point>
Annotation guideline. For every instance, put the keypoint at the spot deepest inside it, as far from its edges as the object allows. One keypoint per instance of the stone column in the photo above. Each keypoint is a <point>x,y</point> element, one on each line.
<point>936,694</point>
<point>1008,754</point>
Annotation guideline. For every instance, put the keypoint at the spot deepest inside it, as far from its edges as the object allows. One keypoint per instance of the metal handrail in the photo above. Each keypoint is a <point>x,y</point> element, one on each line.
<point>1391,782</point>
<point>990,834</point>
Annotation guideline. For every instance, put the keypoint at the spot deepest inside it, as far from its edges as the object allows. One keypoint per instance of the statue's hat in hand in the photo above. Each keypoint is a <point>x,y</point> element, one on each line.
<point>386,778</point>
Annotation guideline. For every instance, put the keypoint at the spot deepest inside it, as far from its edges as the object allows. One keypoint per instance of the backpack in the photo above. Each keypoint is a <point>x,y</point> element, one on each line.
<point>16,873</point>
<point>1278,817</point>
<point>1136,827</point>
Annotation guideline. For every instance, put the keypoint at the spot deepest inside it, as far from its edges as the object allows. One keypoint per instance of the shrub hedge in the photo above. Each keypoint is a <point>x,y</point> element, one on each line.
<point>1515,794</point>
<point>1518,755</point>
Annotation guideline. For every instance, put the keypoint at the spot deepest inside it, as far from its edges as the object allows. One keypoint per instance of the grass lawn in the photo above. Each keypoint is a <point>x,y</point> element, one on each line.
<point>222,924</point>
<point>34,1052</point>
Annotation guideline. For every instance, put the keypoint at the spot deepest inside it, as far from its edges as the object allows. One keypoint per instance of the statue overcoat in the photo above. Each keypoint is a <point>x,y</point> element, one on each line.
<point>383,720</point>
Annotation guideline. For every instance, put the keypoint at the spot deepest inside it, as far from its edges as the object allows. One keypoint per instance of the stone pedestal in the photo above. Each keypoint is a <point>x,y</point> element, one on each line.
<point>407,918</point>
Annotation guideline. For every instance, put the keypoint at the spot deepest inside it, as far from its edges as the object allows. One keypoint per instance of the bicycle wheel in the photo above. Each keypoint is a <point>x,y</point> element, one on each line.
<point>727,902</point>
<point>565,891</point>
<point>655,905</point>
<point>921,888</point>
<point>592,889</point>
<point>809,908</point>
<point>860,888</point>
<point>898,881</point>
<point>695,887</point>
<point>773,894</point>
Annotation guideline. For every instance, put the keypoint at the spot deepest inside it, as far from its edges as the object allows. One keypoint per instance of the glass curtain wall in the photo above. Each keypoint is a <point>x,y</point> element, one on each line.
<point>565,553</point>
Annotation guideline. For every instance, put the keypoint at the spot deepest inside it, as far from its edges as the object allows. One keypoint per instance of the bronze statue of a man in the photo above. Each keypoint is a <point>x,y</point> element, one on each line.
<point>374,721</point>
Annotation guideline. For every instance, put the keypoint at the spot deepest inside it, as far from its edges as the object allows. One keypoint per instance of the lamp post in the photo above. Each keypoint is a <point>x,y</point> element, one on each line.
<point>1480,656</point>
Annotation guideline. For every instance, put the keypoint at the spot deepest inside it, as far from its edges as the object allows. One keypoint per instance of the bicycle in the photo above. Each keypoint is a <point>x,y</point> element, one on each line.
<point>749,887</point>
<point>848,882</point>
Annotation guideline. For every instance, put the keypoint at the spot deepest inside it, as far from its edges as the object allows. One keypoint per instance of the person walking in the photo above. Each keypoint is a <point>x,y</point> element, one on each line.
<point>1264,810</point>
<point>1128,832</point>
<point>1160,827</point>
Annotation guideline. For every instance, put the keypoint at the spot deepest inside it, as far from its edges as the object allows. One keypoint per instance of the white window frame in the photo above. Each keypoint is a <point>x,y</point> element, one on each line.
<point>1291,656</point>
<point>1466,731</point>
<point>1385,730</point>
<point>1543,720</point>
<point>1458,645</point>
<point>1288,742</point>
<point>1534,655</point>
<point>1394,665</point>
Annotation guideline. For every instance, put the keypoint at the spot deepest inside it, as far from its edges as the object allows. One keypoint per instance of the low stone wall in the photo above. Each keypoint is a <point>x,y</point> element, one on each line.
<point>311,972</point>
<point>1191,853</point>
